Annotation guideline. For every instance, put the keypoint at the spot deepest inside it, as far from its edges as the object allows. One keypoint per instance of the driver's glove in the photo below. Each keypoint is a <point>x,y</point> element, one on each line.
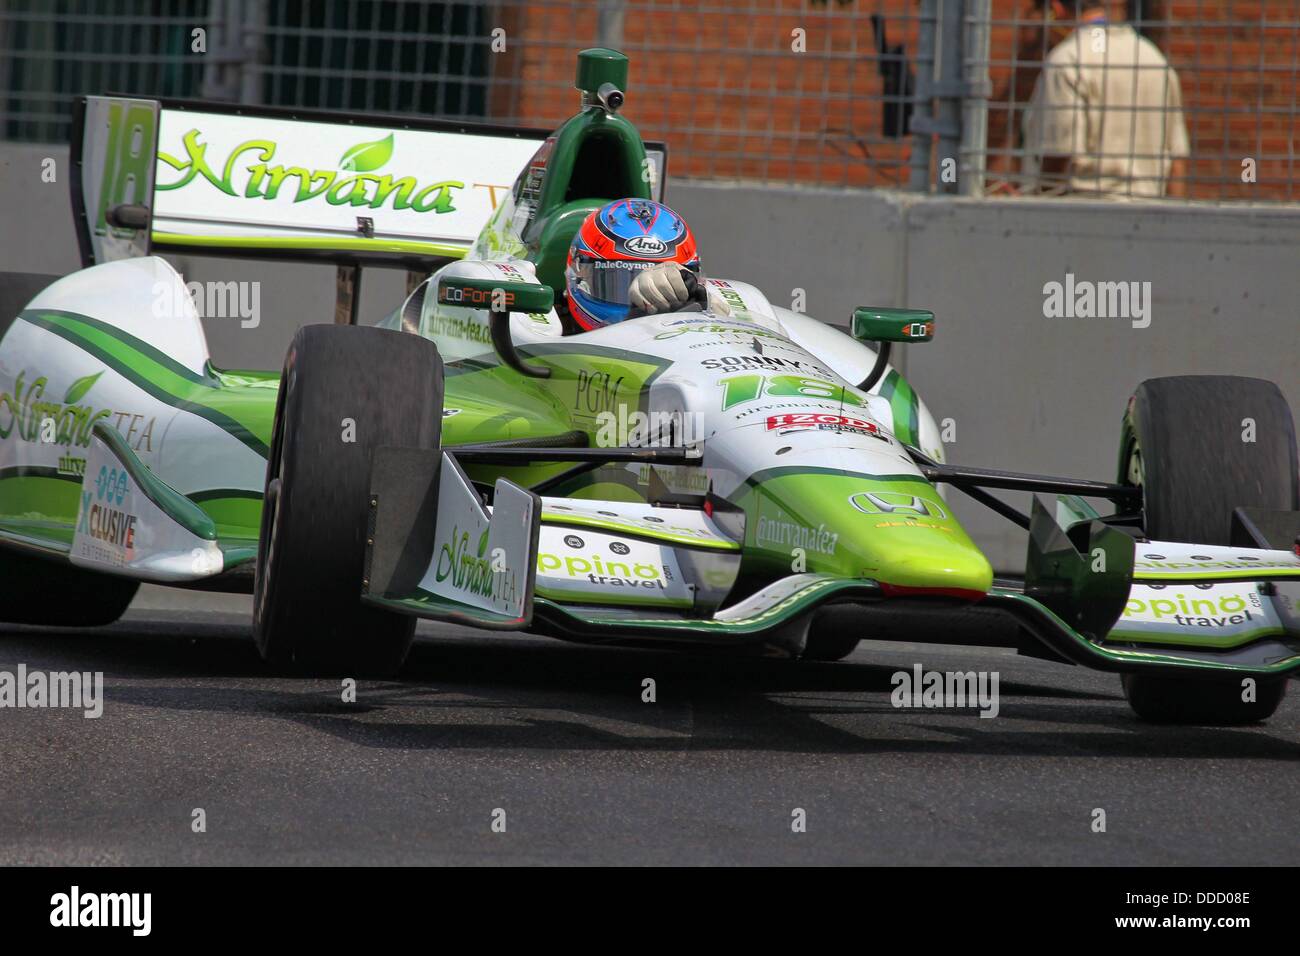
<point>660,288</point>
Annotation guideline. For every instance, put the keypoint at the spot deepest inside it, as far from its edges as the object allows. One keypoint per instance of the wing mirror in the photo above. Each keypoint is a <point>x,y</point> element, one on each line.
<point>500,297</point>
<point>887,326</point>
<point>871,324</point>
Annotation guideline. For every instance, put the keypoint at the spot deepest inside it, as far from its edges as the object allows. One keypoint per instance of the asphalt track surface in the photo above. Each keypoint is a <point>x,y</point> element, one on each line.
<point>557,736</point>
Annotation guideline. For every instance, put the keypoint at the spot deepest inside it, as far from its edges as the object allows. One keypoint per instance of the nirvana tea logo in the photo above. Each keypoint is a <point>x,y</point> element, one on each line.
<point>30,415</point>
<point>354,183</point>
<point>64,423</point>
<point>469,572</point>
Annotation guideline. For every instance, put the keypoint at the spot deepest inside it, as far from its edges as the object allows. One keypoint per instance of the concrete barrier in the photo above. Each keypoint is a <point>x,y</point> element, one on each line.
<point>1025,391</point>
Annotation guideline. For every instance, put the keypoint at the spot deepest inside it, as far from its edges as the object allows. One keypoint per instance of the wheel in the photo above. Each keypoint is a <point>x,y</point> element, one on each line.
<point>1184,443</point>
<point>831,637</point>
<point>828,647</point>
<point>1216,703</point>
<point>345,391</point>
<point>39,591</point>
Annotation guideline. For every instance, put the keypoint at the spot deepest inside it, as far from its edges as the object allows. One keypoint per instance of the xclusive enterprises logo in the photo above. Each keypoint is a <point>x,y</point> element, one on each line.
<point>77,909</point>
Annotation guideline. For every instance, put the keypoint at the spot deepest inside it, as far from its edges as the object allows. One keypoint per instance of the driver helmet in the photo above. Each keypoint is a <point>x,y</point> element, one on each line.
<point>612,245</point>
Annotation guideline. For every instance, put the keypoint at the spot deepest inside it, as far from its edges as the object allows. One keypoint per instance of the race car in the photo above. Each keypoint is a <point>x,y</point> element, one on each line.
<point>734,479</point>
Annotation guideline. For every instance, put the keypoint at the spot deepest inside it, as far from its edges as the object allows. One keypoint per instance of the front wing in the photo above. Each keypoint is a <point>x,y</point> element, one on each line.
<point>613,571</point>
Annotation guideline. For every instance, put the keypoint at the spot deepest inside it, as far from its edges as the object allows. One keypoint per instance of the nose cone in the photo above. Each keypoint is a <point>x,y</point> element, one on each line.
<point>895,530</point>
<point>931,567</point>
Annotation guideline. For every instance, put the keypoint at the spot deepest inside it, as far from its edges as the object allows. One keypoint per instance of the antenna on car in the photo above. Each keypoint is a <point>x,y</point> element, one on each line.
<point>602,78</point>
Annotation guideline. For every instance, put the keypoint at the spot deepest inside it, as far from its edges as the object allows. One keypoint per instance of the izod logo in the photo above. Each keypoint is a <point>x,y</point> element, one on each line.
<point>248,172</point>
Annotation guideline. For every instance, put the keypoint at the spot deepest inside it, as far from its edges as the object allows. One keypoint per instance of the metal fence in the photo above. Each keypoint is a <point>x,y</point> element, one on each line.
<point>923,94</point>
<point>1203,91</point>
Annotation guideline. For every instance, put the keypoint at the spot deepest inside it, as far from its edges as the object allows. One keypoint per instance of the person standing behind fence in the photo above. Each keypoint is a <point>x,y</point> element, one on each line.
<point>1106,116</point>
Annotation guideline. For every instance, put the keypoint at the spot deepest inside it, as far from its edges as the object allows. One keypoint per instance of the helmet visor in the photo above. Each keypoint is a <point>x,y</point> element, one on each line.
<point>606,284</point>
<point>607,281</point>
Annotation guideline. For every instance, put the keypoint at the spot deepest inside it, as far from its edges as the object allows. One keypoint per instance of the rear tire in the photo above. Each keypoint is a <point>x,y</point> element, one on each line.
<point>375,387</point>
<point>1182,443</point>
<point>59,594</point>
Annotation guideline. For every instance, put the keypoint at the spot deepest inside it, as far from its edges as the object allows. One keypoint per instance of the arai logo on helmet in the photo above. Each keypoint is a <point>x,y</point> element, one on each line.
<point>646,246</point>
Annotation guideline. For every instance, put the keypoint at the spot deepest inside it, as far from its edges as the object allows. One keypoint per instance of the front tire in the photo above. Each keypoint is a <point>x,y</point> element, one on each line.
<point>345,392</point>
<point>827,644</point>
<point>1214,703</point>
<point>1184,444</point>
<point>58,594</point>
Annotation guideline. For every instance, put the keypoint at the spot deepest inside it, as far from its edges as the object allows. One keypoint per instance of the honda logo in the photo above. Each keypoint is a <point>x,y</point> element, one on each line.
<point>895,502</point>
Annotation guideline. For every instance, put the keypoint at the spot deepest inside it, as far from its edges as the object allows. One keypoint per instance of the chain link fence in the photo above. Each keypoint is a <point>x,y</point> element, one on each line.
<point>933,95</point>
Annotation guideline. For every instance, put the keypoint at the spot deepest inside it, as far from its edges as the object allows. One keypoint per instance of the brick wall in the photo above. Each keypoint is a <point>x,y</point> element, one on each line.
<point>733,100</point>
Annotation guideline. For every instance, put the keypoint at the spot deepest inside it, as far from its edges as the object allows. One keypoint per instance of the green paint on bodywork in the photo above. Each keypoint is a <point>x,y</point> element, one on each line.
<point>1123,658</point>
<point>1224,642</point>
<point>236,513</point>
<point>171,502</point>
<point>625,164</point>
<point>905,407</point>
<point>618,599</point>
<point>39,504</point>
<point>818,589</point>
<point>42,503</point>
<point>441,250</point>
<point>905,535</point>
<point>1241,574</point>
<point>486,401</point>
<point>596,489</point>
<point>245,411</point>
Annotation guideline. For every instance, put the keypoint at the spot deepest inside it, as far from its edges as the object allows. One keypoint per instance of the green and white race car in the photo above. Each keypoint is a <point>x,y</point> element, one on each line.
<point>696,478</point>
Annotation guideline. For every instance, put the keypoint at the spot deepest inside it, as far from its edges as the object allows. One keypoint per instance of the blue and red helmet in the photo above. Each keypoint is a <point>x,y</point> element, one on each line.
<point>612,245</point>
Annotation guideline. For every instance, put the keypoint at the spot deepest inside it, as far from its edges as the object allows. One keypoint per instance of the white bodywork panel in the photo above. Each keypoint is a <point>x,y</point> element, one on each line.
<point>120,529</point>
<point>1176,562</point>
<point>482,558</point>
<point>144,297</point>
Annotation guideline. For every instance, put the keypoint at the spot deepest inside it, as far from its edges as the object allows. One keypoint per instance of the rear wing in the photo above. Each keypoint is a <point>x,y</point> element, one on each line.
<point>225,179</point>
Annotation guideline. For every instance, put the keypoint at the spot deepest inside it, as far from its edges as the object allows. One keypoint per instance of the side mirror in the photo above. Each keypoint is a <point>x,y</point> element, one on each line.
<point>871,324</point>
<point>888,326</point>
<point>500,297</point>
<point>496,295</point>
